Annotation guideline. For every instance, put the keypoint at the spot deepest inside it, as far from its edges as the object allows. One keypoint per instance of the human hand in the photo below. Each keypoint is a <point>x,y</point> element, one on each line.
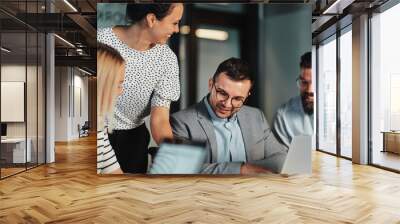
<point>253,169</point>
<point>117,171</point>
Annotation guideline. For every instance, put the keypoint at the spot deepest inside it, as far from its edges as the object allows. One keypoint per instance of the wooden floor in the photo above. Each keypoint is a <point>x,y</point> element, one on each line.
<point>387,159</point>
<point>10,171</point>
<point>69,191</point>
<point>5,172</point>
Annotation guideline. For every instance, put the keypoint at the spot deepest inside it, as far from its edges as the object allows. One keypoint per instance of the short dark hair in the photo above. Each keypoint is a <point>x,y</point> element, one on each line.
<point>305,60</point>
<point>235,68</point>
<point>135,12</point>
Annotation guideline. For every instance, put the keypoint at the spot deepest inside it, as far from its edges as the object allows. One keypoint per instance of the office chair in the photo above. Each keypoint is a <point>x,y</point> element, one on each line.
<point>84,130</point>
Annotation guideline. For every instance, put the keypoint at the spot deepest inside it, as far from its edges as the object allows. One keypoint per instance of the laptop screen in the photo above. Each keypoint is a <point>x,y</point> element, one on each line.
<point>179,157</point>
<point>298,159</point>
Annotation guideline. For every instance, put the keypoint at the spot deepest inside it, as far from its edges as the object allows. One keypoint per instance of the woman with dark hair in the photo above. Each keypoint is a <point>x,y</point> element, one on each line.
<point>151,80</point>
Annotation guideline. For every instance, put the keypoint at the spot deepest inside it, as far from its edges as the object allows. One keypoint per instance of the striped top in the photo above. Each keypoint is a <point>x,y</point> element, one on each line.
<point>106,159</point>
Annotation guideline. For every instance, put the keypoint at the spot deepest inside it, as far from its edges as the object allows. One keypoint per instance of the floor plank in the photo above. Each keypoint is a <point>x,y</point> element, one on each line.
<point>69,191</point>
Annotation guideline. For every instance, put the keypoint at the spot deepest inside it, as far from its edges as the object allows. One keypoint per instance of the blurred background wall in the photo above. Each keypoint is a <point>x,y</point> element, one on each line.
<point>271,37</point>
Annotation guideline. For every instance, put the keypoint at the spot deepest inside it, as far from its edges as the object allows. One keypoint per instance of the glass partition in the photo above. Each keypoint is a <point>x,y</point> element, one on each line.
<point>346,93</point>
<point>327,96</point>
<point>22,88</point>
<point>31,98</point>
<point>13,109</point>
<point>41,96</point>
<point>385,89</point>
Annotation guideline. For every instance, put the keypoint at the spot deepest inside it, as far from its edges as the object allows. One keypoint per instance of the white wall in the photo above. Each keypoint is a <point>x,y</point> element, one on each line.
<point>16,73</point>
<point>61,103</point>
<point>33,126</point>
<point>79,117</point>
<point>71,87</point>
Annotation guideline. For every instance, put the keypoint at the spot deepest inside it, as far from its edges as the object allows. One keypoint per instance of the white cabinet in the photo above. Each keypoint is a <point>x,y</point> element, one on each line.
<point>17,148</point>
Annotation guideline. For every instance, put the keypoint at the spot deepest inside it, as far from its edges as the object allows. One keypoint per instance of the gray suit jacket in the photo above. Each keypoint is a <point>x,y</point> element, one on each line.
<point>261,146</point>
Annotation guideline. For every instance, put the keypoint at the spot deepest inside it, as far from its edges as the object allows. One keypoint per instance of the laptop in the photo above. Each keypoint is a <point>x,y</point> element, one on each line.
<point>179,157</point>
<point>298,159</point>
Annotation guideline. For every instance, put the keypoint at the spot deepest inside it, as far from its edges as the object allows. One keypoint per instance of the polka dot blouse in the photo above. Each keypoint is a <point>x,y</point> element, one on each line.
<point>151,80</point>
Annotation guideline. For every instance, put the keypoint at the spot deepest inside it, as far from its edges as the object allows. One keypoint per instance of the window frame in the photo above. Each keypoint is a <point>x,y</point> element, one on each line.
<point>379,10</point>
<point>338,33</point>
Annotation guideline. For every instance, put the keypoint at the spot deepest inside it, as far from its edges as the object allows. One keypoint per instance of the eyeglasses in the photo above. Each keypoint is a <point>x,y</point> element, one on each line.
<point>236,102</point>
<point>302,84</point>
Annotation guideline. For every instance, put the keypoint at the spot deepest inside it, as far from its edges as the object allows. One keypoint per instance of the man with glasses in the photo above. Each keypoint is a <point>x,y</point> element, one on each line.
<point>238,137</point>
<point>296,117</point>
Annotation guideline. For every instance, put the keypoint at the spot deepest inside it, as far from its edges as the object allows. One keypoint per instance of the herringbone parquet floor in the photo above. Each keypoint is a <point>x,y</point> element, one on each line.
<point>69,191</point>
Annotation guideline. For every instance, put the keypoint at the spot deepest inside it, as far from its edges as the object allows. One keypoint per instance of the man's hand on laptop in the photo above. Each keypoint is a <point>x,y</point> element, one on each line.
<point>252,169</point>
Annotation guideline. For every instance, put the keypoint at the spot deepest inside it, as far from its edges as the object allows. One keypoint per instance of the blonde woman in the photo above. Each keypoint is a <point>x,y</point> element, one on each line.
<point>110,76</point>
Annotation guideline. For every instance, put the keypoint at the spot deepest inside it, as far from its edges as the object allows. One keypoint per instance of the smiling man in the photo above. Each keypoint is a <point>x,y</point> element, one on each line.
<point>296,117</point>
<point>239,139</point>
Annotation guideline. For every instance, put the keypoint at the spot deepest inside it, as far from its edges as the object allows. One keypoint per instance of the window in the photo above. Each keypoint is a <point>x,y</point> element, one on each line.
<point>385,88</point>
<point>327,95</point>
<point>346,93</point>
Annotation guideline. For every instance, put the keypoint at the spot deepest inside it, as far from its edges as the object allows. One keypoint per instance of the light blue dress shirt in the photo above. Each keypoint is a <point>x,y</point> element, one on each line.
<point>230,145</point>
<point>291,120</point>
